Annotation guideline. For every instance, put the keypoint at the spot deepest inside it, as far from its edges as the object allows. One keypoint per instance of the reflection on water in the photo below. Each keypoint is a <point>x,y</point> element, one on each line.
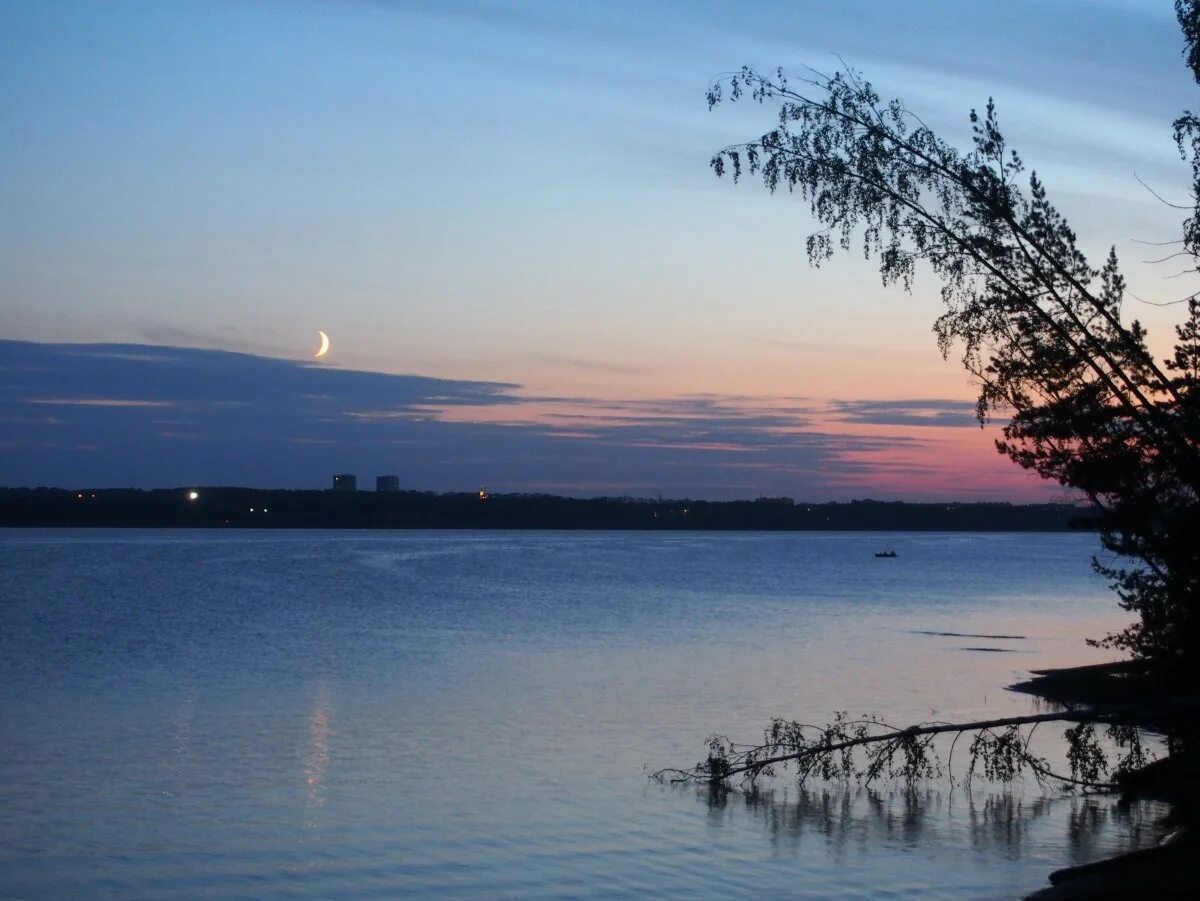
<point>200,714</point>
<point>995,824</point>
<point>317,758</point>
<point>181,731</point>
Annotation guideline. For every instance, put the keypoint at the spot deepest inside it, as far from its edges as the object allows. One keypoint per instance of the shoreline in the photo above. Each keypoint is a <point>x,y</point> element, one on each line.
<point>261,508</point>
<point>1169,869</point>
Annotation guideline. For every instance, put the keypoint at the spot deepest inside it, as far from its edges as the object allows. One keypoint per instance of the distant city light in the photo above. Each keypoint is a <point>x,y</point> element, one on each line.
<point>193,495</point>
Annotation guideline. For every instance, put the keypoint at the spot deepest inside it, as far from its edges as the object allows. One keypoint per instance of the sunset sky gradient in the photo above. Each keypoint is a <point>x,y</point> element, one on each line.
<point>502,215</point>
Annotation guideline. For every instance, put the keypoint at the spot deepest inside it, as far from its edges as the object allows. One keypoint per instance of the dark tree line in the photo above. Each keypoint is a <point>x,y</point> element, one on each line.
<point>282,509</point>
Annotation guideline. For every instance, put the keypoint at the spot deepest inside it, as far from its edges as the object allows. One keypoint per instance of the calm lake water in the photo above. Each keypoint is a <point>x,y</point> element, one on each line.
<point>347,714</point>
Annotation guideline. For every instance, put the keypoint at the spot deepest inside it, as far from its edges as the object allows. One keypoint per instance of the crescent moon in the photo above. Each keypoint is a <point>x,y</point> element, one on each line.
<point>324,345</point>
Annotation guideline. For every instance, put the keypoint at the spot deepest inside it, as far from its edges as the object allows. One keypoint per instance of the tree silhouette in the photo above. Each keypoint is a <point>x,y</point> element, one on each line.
<point>1187,126</point>
<point>1041,329</point>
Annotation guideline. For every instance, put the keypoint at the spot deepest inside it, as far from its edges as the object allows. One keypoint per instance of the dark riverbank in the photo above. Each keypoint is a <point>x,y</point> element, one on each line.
<point>1169,870</point>
<point>226,507</point>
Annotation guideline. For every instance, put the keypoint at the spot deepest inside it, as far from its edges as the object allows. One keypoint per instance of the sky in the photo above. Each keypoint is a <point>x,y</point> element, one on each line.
<point>503,216</point>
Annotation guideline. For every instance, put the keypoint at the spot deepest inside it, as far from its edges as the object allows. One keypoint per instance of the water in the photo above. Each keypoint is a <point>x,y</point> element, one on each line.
<point>334,714</point>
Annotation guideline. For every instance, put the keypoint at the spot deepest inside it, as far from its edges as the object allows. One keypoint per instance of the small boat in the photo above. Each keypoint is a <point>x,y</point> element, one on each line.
<point>886,554</point>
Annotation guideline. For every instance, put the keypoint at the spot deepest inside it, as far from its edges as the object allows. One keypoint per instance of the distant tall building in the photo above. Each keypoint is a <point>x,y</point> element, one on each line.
<point>387,483</point>
<point>345,481</point>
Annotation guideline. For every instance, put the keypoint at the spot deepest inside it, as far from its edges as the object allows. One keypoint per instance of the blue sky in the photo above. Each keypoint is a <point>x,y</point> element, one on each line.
<point>519,194</point>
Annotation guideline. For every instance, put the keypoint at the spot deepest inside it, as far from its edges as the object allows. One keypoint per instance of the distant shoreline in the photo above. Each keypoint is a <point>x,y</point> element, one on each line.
<point>228,507</point>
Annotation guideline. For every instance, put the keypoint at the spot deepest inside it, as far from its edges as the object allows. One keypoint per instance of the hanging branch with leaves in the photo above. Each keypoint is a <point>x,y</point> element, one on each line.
<point>865,749</point>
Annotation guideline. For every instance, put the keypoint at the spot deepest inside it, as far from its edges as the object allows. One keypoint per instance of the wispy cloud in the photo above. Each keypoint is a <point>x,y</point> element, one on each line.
<point>96,402</point>
<point>916,412</point>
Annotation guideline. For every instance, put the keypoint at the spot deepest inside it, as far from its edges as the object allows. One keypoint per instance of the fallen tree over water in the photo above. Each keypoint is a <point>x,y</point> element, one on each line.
<point>867,748</point>
<point>1109,708</point>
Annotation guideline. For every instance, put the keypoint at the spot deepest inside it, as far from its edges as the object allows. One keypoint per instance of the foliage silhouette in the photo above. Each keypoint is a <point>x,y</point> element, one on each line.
<point>1039,327</point>
<point>1044,334</point>
<point>864,749</point>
